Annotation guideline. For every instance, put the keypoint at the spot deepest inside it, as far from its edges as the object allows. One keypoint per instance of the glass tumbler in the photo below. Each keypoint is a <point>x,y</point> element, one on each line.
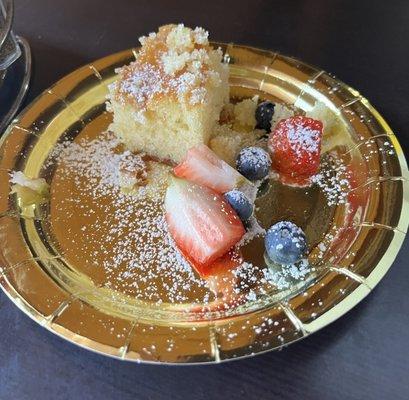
<point>9,48</point>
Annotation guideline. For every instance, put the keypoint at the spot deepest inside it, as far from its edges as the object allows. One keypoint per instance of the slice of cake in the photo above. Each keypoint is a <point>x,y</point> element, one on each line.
<point>170,98</point>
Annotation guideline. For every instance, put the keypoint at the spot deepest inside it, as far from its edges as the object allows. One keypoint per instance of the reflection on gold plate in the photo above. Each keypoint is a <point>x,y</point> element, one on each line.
<point>59,273</point>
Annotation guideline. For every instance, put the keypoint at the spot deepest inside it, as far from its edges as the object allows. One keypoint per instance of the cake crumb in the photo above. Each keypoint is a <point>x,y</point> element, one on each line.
<point>245,114</point>
<point>29,190</point>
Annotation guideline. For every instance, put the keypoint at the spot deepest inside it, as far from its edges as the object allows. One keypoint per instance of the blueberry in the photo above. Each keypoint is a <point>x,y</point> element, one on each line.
<point>285,243</point>
<point>240,203</point>
<point>254,163</point>
<point>264,113</point>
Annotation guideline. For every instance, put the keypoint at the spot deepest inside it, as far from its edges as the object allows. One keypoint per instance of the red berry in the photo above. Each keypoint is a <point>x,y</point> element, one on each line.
<point>202,166</point>
<point>202,224</point>
<point>295,146</point>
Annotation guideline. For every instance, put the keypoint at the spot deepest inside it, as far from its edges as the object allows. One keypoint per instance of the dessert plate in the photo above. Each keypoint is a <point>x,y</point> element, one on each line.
<point>51,271</point>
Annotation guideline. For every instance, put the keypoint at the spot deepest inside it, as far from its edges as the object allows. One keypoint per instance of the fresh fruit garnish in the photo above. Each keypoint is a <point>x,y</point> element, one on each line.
<point>202,224</point>
<point>254,163</point>
<point>240,203</point>
<point>222,266</point>
<point>202,166</point>
<point>264,114</point>
<point>285,243</point>
<point>295,146</point>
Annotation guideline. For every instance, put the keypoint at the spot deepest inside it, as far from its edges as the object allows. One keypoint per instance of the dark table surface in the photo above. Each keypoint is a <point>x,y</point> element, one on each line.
<point>365,354</point>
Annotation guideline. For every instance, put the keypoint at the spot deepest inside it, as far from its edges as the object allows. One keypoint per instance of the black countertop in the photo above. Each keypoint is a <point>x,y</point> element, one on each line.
<point>364,354</point>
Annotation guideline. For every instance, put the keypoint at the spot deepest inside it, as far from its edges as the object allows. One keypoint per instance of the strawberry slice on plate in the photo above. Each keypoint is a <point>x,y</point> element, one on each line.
<point>202,224</point>
<point>222,266</point>
<point>295,146</point>
<point>202,166</point>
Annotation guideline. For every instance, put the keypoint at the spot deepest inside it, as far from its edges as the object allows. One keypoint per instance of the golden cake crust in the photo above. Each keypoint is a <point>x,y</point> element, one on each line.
<point>174,63</point>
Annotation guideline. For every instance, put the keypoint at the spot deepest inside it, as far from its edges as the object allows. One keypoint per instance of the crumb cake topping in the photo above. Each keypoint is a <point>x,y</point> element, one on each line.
<point>176,62</point>
<point>244,112</point>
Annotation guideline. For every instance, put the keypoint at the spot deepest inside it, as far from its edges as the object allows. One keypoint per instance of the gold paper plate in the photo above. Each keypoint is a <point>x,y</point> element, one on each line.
<point>368,231</point>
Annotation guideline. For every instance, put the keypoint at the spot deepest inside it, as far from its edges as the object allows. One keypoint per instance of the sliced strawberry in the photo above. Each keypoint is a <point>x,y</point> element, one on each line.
<point>295,146</point>
<point>221,266</point>
<point>201,165</point>
<point>201,222</point>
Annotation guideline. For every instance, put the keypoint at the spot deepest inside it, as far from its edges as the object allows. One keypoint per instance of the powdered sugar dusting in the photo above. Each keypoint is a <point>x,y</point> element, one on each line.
<point>255,156</point>
<point>284,277</point>
<point>333,180</point>
<point>278,277</point>
<point>122,237</point>
<point>303,138</point>
<point>254,229</point>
